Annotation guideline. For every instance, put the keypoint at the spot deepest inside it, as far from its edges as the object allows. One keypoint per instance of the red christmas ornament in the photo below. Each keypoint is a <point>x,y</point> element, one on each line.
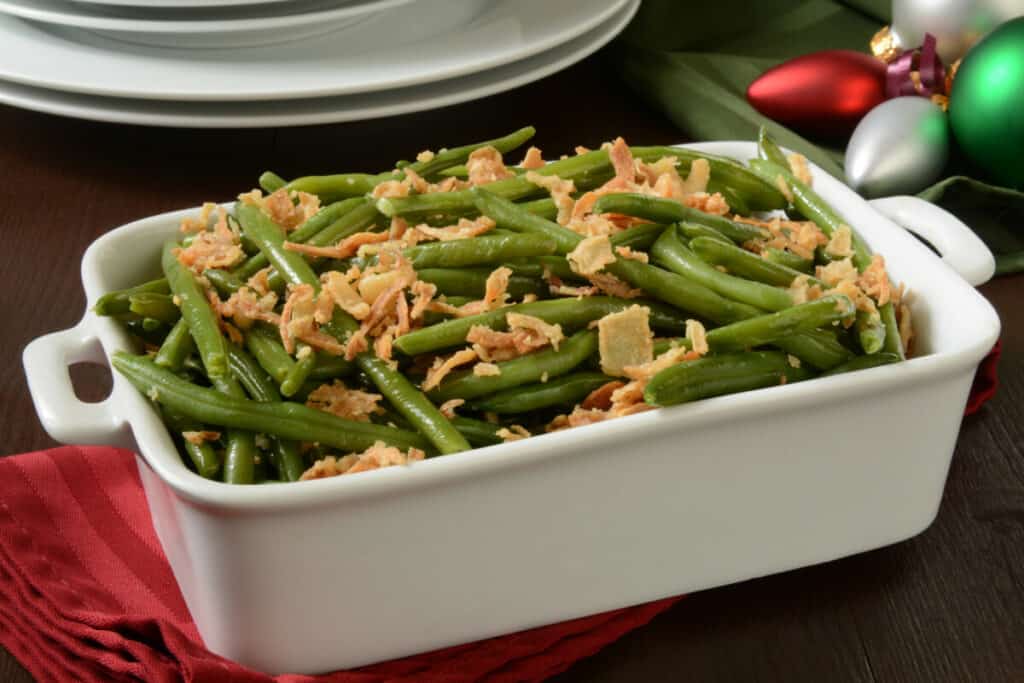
<point>823,94</point>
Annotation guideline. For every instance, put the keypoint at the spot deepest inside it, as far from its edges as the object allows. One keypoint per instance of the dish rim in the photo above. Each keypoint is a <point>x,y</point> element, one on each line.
<point>134,411</point>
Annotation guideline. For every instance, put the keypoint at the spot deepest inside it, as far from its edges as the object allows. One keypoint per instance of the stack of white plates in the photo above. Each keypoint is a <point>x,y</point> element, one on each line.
<point>248,63</point>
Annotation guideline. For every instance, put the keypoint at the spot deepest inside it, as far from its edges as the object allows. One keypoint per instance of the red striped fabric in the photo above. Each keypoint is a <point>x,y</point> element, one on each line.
<point>86,593</point>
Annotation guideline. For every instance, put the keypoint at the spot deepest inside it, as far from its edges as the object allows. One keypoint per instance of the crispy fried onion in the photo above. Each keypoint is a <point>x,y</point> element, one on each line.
<point>397,237</point>
<point>658,179</point>
<point>485,165</point>
<point>216,248</point>
<point>376,456</point>
<point>798,237</point>
<point>525,334</point>
<point>412,183</point>
<point>618,398</point>
<point>289,209</point>
<point>867,290</point>
<point>338,399</point>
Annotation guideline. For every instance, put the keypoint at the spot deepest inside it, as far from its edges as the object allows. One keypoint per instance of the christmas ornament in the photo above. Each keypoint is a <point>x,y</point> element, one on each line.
<point>986,105</point>
<point>956,24</point>
<point>900,147</point>
<point>916,72</point>
<point>820,94</point>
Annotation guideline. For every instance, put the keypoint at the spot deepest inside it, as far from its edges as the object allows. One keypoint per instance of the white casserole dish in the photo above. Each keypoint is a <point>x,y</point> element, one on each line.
<point>477,544</point>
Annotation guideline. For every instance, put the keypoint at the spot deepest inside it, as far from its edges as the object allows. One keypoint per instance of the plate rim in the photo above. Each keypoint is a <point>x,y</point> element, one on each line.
<point>45,70</point>
<point>491,82</point>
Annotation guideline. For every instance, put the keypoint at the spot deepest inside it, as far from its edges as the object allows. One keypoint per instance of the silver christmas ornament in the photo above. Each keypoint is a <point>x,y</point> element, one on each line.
<point>900,147</point>
<point>956,24</point>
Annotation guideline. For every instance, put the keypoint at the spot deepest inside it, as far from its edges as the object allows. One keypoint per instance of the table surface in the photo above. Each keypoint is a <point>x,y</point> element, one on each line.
<point>947,605</point>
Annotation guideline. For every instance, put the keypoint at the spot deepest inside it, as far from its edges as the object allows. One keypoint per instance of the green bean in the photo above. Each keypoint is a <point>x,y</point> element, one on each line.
<point>478,250</point>
<point>560,268</point>
<point>409,401</point>
<point>737,202</point>
<point>570,313</point>
<point>266,348</point>
<point>287,419</point>
<point>863,363</point>
<point>146,333</point>
<point>638,237</point>
<point>176,347</point>
<point>202,321</point>
<point>156,306</point>
<point>871,331</point>
<point>670,253</point>
<point>331,367</point>
<point>472,282</point>
<point>240,456</point>
<point>719,375</point>
<point>511,216</point>
<point>818,348</point>
<point>743,263</point>
<point>300,371</point>
<point>590,169</point>
<point>788,259</point>
<point>770,328</point>
<point>204,458</point>
<point>224,282</point>
<point>157,326</point>
<point>768,149</point>
<point>681,292</point>
<point>759,195</point>
<point>270,238</point>
<point>203,324</point>
<point>331,188</point>
<point>670,211</point>
<point>413,405</point>
<point>811,205</point>
<point>119,301</point>
<point>544,207</point>
<point>458,155</point>
<point>260,387</point>
<point>339,186</point>
<point>567,390</point>
<point>271,182</point>
<point>523,266</point>
<point>519,371</point>
<point>358,219</point>
<point>691,231</point>
<point>477,432</point>
<point>325,218</point>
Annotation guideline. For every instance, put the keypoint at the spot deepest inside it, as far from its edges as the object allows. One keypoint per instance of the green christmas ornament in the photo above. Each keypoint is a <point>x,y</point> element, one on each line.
<point>986,106</point>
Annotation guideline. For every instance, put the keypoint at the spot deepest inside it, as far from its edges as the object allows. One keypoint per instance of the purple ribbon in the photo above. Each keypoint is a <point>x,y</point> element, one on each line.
<point>931,73</point>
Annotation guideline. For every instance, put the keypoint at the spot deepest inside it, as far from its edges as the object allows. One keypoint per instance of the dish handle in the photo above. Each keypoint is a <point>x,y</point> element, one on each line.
<point>957,244</point>
<point>63,415</point>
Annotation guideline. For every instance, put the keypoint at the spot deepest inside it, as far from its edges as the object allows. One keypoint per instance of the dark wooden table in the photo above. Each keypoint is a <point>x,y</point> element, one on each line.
<point>945,606</point>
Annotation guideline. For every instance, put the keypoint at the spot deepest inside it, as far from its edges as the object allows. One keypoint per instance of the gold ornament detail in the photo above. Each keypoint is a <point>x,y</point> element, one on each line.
<point>884,45</point>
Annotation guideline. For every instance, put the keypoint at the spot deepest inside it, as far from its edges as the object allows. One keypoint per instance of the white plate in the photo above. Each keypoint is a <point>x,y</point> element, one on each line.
<point>385,53</point>
<point>329,110</point>
<point>207,28</point>
<point>178,3</point>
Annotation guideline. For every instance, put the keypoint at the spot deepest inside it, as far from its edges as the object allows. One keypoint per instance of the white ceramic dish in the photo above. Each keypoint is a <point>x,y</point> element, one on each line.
<point>477,544</point>
<point>426,41</point>
<point>327,110</point>
<point>220,29</point>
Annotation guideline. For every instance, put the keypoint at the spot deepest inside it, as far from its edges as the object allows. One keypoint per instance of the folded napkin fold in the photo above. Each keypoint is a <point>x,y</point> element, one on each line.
<point>86,593</point>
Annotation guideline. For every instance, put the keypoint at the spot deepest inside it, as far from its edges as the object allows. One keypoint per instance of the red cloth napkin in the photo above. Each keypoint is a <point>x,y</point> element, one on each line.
<point>87,595</point>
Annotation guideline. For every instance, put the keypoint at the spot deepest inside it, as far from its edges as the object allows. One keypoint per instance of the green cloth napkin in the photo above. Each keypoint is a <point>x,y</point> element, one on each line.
<point>694,61</point>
